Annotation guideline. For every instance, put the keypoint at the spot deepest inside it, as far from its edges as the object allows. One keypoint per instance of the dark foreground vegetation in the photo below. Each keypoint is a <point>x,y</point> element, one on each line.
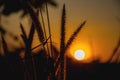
<point>92,71</point>
<point>12,67</point>
<point>48,62</point>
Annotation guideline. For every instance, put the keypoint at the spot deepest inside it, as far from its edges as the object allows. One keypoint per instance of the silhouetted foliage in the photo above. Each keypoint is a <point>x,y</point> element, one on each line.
<point>41,64</point>
<point>10,66</point>
<point>63,46</point>
<point>92,71</point>
<point>62,43</point>
<point>11,6</point>
<point>69,42</point>
<point>114,51</point>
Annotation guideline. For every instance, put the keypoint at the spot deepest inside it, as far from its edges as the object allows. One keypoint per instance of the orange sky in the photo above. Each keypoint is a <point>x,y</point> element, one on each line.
<point>101,30</point>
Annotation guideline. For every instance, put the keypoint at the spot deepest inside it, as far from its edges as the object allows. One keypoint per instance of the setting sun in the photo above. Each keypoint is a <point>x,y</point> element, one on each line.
<point>79,54</point>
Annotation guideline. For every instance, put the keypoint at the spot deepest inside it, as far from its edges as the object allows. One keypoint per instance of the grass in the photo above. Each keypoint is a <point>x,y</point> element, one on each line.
<point>41,65</point>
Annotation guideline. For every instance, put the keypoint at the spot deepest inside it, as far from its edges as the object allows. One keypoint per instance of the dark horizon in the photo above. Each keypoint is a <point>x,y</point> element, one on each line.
<point>92,71</point>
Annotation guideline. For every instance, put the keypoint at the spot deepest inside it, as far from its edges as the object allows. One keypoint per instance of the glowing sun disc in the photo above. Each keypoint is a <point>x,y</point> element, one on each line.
<point>79,54</point>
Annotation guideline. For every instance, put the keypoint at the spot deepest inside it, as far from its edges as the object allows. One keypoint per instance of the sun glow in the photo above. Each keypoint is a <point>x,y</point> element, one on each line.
<point>79,54</point>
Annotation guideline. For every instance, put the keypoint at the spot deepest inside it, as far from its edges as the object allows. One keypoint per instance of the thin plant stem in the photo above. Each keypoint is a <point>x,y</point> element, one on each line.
<point>62,44</point>
<point>49,29</point>
<point>44,30</point>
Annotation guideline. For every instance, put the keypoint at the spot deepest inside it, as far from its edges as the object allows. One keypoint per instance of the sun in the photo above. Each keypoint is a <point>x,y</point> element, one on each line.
<point>79,54</point>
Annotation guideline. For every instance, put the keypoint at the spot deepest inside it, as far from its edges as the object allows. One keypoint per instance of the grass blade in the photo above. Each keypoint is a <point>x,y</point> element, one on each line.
<point>5,48</point>
<point>31,34</point>
<point>62,44</point>
<point>69,42</point>
<point>62,40</point>
<point>114,51</point>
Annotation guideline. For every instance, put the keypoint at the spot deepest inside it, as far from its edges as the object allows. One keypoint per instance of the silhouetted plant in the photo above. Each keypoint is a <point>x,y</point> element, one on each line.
<point>44,29</point>
<point>41,64</point>
<point>17,5</point>
<point>64,47</point>
<point>55,52</point>
<point>5,47</point>
<point>28,6</point>
<point>74,34</point>
<point>12,61</point>
<point>62,42</point>
<point>28,56</point>
<point>114,51</point>
<point>31,8</point>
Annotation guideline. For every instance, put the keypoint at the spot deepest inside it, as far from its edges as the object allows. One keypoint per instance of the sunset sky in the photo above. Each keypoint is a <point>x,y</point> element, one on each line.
<point>98,37</point>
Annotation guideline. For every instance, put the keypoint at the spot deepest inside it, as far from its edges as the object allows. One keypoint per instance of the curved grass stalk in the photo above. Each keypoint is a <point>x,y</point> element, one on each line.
<point>69,42</point>
<point>114,51</point>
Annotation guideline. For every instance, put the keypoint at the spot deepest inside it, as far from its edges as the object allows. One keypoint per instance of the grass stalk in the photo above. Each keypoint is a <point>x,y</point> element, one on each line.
<point>48,20</point>
<point>62,43</point>
<point>44,30</point>
<point>71,39</point>
<point>114,51</point>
